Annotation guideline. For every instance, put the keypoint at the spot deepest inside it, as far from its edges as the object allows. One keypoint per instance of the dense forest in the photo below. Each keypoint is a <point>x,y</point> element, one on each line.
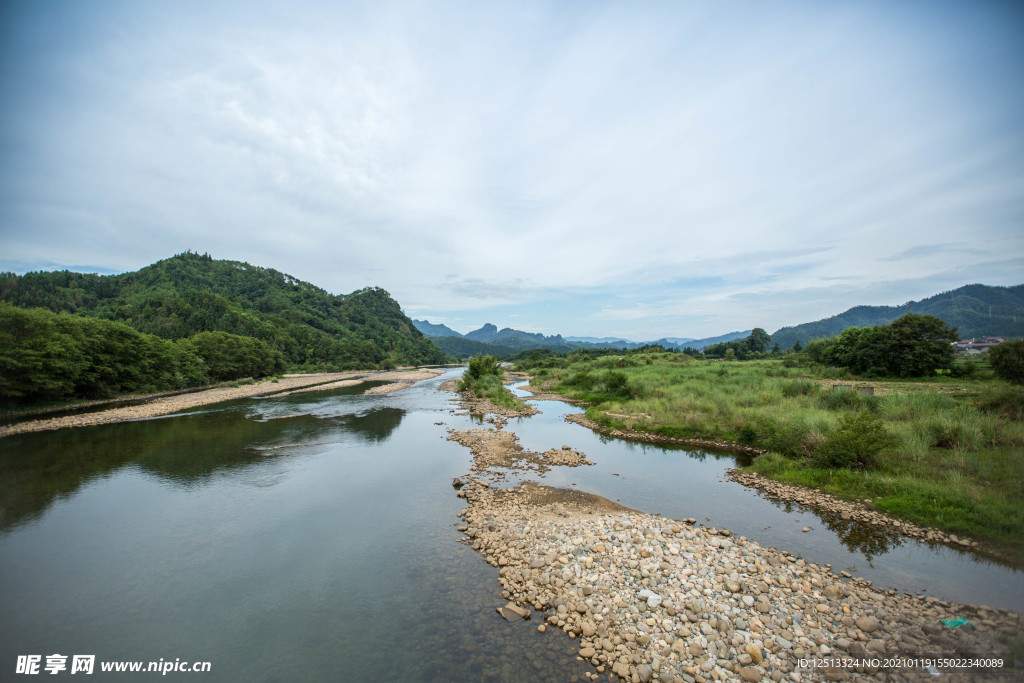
<point>189,296</point>
<point>46,356</point>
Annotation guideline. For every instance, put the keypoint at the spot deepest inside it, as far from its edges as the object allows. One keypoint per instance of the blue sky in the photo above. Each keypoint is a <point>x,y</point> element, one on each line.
<point>636,169</point>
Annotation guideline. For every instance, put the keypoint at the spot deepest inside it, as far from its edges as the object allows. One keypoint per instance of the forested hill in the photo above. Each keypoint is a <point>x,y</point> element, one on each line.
<point>975,310</point>
<point>191,293</point>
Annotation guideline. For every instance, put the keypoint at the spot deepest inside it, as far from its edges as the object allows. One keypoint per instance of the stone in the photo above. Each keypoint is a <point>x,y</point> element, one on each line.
<point>750,674</point>
<point>754,652</point>
<point>645,672</point>
<point>876,645</point>
<point>587,652</point>
<point>867,624</point>
<point>522,612</point>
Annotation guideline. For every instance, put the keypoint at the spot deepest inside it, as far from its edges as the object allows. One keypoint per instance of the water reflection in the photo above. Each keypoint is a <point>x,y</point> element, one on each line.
<point>36,470</point>
<point>864,538</point>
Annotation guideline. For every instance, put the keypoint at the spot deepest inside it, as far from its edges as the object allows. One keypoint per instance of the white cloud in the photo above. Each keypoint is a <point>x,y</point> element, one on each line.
<point>531,150</point>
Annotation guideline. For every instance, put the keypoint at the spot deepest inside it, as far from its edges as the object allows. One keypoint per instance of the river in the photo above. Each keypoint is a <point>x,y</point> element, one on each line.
<point>313,537</point>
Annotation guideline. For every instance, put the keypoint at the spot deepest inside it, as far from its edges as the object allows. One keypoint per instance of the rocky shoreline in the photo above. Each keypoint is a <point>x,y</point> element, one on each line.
<point>477,405</point>
<point>633,435</point>
<point>495,448</point>
<point>652,598</point>
<point>859,511</point>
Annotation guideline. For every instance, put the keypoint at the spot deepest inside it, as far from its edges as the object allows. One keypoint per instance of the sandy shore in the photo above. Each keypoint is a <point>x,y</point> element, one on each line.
<point>289,384</point>
<point>388,388</point>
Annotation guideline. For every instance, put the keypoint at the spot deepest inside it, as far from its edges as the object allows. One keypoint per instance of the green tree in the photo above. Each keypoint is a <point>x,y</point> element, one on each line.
<point>916,345</point>
<point>1007,360</point>
<point>758,340</point>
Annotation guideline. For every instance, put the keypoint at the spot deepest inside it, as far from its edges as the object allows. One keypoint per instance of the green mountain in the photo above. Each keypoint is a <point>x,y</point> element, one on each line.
<point>192,293</point>
<point>975,310</point>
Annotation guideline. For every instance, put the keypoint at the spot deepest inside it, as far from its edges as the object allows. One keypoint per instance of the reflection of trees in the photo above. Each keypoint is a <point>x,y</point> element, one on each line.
<point>867,539</point>
<point>38,469</point>
<point>375,425</point>
<point>858,537</point>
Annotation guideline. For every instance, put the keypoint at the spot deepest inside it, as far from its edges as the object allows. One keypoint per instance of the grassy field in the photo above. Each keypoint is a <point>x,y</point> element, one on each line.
<point>945,453</point>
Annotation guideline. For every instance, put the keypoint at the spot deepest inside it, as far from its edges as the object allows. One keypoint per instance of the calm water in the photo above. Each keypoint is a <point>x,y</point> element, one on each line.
<point>313,537</point>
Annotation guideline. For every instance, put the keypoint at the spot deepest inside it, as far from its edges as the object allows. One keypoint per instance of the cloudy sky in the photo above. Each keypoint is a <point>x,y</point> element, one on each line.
<point>637,169</point>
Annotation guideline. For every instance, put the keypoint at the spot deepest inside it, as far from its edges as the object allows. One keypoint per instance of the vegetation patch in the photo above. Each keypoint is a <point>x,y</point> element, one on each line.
<point>945,453</point>
<point>484,378</point>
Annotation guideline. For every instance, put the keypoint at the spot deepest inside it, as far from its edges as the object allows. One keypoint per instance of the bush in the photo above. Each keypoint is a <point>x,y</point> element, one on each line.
<point>581,380</point>
<point>1005,401</point>
<point>855,444</point>
<point>800,387</point>
<point>1007,360</point>
<point>481,366</point>
<point>617,383</point>
<point>847,398</point>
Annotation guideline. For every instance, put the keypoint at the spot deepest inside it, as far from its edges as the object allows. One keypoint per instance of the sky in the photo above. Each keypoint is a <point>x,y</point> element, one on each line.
<point>631,169</point>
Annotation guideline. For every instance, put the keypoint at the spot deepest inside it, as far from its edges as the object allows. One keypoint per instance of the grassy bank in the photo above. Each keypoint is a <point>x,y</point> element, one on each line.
<point>945,453</point>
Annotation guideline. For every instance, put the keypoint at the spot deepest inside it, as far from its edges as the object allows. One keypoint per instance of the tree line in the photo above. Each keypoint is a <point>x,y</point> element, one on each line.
<point>46,356</point>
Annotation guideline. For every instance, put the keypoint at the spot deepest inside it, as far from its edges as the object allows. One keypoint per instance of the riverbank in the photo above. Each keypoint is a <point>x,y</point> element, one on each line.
<point>165,405</point>
<point>846,510</point>
<point>944,456</point>
<point>653,597</point>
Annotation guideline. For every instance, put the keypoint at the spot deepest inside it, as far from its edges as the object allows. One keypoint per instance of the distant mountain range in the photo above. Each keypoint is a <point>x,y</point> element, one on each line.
<point>489,339</point>
<point>976,310</point>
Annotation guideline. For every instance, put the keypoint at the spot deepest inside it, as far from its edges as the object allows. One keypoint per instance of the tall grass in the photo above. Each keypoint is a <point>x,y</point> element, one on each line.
<point>949,455</point>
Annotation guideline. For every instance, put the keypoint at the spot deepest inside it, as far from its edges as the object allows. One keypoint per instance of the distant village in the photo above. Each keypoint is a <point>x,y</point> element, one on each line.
<point>970,347</point>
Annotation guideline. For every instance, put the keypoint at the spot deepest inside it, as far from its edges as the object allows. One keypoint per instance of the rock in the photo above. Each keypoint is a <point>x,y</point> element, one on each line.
<point>522,612</point>
<point>589,629</point>
<point>806,529</point>
<point>751,674</point>
<point>458,483</point>
<point>755,653</point>
<point>587,652</point>
<point>867,624</point>
<point>876,645</point>
<point>645,672</point>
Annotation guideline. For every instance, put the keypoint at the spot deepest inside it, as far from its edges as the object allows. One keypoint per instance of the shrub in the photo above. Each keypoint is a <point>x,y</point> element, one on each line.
<point>1005,401</point>
<point>800,387</point>
<point>847,398</point>
<point>480,366</point>
<point>1007,360</point>
<point>855,444</point>
<point>581,380</point>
